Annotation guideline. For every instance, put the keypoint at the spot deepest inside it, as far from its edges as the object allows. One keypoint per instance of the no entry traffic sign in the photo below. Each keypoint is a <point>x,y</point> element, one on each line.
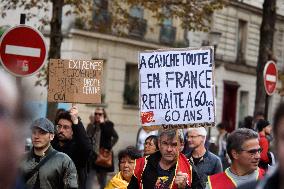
<point>270,76</point>
<point>22,50</point>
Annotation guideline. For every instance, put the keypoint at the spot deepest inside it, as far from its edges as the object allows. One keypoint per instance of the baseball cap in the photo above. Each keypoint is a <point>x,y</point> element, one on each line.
<point>44,124</point>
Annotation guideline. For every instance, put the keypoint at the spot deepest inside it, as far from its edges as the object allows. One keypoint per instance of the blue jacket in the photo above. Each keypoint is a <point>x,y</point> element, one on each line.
<point>209,164</point>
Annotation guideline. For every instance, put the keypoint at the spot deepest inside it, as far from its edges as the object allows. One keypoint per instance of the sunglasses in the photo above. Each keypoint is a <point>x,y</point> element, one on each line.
<point>99,114</point>
<point>253,151</point>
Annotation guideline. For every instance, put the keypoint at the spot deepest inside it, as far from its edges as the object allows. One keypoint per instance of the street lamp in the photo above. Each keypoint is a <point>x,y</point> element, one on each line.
<point>213,39</point>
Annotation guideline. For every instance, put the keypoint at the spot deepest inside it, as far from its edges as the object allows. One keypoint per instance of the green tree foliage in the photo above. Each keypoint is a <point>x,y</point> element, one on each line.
<point>194,15</point>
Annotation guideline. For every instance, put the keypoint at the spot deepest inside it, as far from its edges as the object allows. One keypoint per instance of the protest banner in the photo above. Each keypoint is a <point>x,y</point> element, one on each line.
<point>177,88</point>
<point>75,81</point>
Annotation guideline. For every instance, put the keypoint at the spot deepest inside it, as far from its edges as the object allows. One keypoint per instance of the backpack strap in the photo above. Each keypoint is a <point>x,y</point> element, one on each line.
<point>42,162</point>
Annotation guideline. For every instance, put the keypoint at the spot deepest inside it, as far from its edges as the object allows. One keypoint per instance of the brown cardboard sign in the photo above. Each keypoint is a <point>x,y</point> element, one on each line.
<point>76,81</point>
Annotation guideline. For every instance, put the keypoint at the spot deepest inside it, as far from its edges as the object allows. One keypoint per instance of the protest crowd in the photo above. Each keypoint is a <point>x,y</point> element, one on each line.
<point>65,154</point>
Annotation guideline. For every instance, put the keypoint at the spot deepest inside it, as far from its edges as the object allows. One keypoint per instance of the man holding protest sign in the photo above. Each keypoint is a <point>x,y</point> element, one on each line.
<point>71,138</point>
<point>167,168</point>
<point>176,89</point>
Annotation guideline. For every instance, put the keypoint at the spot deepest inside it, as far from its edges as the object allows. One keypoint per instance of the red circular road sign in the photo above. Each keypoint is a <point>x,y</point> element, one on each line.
<point>270,76</point>
<point>22,50</point>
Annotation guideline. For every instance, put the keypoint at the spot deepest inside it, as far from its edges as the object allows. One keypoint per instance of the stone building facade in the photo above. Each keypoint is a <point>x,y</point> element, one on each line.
<point>235,63</point>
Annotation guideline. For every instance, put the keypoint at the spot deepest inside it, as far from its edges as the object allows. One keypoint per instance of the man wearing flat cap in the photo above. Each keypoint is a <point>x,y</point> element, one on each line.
<point>43,167</point>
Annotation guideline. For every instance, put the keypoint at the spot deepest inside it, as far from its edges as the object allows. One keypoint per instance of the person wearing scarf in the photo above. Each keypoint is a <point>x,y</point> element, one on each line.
<point>126,159</point>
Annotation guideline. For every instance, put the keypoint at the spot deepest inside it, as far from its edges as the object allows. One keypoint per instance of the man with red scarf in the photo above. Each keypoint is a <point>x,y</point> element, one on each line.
<point>167,168</point>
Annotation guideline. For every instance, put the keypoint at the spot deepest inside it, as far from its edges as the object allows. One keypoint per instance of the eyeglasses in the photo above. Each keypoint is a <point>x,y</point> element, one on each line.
<point>253,151</point>
<point>99,114</point>
<point>193,136</point>
<point>65,127</point>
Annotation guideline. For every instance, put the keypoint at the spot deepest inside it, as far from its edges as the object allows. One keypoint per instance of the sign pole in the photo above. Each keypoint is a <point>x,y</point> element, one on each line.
<point>267,98</point>
<point>19,79</point>
<point>23,18</point>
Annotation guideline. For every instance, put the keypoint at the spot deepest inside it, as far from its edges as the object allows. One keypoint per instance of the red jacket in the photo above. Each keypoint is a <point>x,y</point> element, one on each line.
<point>264,144</point>
<point>182,165</point>
<point>224,181</point>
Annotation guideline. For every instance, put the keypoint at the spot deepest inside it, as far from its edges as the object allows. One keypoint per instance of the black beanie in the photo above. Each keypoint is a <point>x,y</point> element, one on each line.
<point>261,124</point>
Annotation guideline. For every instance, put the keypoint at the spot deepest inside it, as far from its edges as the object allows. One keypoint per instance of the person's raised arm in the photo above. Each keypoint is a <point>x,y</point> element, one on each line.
<point>79,132</point>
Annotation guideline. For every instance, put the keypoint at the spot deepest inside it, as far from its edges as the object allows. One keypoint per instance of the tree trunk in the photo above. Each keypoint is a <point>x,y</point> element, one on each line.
<point>55,44</point>
<point>265,52</point>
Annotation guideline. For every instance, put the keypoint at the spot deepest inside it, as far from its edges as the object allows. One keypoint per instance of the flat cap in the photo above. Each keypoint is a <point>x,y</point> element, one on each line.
<point>44,124</point>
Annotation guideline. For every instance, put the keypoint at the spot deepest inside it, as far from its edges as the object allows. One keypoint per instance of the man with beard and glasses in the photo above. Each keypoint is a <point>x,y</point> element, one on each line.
<point>43,167</point>
<point>71,138</point>
<point>244,151</point>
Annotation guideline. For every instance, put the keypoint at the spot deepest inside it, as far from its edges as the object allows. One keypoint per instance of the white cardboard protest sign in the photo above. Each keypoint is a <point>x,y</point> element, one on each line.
<point>177,87</point>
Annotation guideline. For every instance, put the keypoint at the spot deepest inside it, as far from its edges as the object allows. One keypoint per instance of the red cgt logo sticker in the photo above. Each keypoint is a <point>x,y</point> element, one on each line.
<point>147,117</point>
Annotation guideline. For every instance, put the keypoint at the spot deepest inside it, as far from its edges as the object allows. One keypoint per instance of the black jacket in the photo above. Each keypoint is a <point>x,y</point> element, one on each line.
<point>108,138</point>
<point>150,174</point>
<point>78,149</point>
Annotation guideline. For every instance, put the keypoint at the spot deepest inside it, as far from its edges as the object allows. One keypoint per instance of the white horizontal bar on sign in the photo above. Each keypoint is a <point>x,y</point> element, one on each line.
<point>23,51</point>
<point>271,78</point>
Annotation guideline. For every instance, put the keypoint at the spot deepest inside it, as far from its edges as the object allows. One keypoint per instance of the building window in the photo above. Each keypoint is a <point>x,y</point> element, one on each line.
<point>137,12</point>
<point>101,16</point>
<point>131,87</point>
<point>167,31</point>
<point>243,106</point>
<point>241,41</point>
<point>137,24</point>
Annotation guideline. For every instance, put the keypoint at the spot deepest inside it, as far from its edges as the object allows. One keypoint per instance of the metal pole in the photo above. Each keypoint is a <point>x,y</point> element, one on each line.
<point>23,18</point>
<point>19,79</point>
<point>267,98</point>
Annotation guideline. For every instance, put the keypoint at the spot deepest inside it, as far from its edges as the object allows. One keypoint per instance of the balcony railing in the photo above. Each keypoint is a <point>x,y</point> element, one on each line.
<point>102,21</point>
<point>167,35</point>
<point>137,27</point>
